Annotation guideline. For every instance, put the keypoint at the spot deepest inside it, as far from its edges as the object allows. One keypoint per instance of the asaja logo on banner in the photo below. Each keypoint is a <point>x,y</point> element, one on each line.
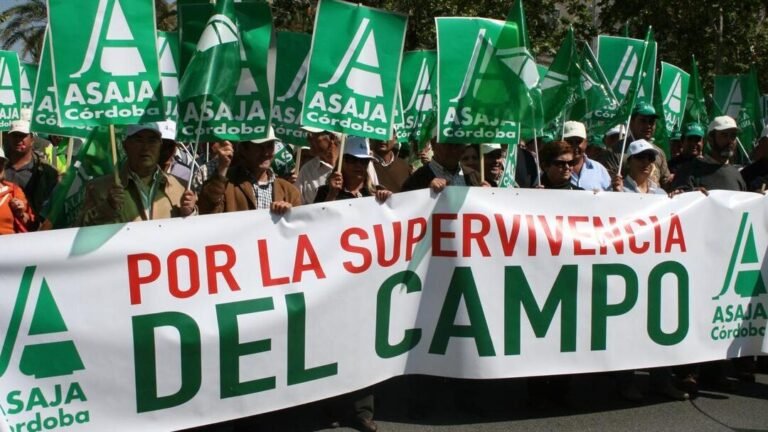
<point>733,101</point>
<point>168,73</point>
<point>744,278</point>
<point>626,72</point>
<point>7,93</point>
<point>117,56</point>
<point>298,85</point>
<point>421,99</point>
<point>674,98</point>
<point>359,70</point>
<point>46,407</point>
<point>26,87</point>
<point>220,30</point>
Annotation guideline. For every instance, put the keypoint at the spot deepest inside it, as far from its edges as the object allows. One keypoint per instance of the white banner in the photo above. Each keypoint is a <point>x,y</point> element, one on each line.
<point>164,325</point>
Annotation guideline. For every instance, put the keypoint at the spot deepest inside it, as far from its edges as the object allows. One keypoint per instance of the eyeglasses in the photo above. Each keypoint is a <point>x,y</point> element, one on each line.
<point>559,163</point>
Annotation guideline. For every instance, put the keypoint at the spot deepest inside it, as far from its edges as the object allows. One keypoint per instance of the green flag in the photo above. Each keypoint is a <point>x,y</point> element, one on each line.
<point>418,89</point>
<point>354,69</point>
<point>475,92</point>
<point>620,59</point>
<point>594,103</point>
<point>290,84</point>
<point>168,52</point>
<point>696,103</point>
<point>728,95</point>
<point>225,90</point>
<point>510,165</point>
<point>93,160</point>
<point>104,60</point>
<point>27,81</point>
<point>10,90</point>
<point>561,80</point>
<point>750,119</point>
<point>669,102</point>
<point>45,111</point>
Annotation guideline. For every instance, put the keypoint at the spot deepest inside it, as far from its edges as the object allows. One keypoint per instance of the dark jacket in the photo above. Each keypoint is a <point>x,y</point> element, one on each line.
<point>422,177</point>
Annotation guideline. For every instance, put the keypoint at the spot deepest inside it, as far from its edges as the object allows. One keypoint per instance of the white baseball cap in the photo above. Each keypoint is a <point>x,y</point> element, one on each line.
<point>488,148</point>
<point>616,130</point>
<point>358,147</point>
<point>132,130</point>
<point>639,146</point>
<point>574,129</point>
<point>270,137</point>
<point>23,123</point>
<point>722,123</point>
<point>168,130</point>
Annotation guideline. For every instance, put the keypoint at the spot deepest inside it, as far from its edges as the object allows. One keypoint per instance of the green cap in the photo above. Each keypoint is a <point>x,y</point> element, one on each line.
<point>693,129</point>
<point>644,109</point>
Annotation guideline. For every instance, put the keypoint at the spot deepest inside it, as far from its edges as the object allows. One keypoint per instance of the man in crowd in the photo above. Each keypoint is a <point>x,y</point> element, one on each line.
<point>313,174</point>
<point>495,159</point>
<point>27,168</point>
<point>443,170</point>
<point>692,146</point>
<point>249,185</point>
<point>642,125</point>
<point>144,191</point>
<point>586,173</point>
<point>390,169</point>
<point>714,170</point>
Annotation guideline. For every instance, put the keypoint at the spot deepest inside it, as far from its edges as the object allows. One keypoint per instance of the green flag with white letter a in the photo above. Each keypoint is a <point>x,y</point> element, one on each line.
<point>594,103</point>
<point>727,96</point>
<point>750,119</point>
<point>354,69</point>
<point>27,81</point>
<point>620,57</point>
<point>225,90</point>
<point>290,85</point>
<point>10,90</point>
<point>105,64</point>
<point>418,90</point>
<point>561,79</point>
<point>168,52</point>
<point>474,86</point>
<point>671,95</point>
<point>45,112</point>
<point>696,104</point>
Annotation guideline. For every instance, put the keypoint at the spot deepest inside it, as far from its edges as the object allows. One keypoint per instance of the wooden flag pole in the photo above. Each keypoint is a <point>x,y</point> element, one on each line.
<point>482,164</point>
<point>341,152</point>
<point>298,160</point>
<point>113,143</point>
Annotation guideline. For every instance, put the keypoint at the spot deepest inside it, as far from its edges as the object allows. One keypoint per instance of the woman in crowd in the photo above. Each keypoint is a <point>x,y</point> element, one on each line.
<point>15,213</point>
<point>640,166</point>
<point>556,159</point>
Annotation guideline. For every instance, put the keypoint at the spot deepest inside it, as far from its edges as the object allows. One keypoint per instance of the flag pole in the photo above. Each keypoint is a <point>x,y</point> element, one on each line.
<point>298,160</point>
<point>197,143</point>
<point>113,143</point>
<point>341,151</point>
<point>624,145</point>
<point>482,164</point>
<point>744,150</point>
<point>70,150</point>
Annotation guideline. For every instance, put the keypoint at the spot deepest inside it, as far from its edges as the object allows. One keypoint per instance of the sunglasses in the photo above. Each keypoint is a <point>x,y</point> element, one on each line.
<point>562,164</point>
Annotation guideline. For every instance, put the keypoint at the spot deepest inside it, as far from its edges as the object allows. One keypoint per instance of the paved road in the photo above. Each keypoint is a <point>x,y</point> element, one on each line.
<point>591,404</point>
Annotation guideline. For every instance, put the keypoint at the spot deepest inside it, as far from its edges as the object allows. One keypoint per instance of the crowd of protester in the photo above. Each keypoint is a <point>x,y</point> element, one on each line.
<point>161,179</point>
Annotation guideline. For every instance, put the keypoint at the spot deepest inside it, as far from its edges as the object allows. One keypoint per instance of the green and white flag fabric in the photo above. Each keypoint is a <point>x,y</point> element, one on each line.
<point>225,90</point>
<point>10,89</point>
<point>93,160</point>
<point>594,102</point>
<point>510,166</point>
<point>290,85</point>
<point>561,81</point>
<point>727,95</point>
<point>671,95</point>
<point>620,57</point>
<point>168,52</point>
<point>27,81</point>
<point>354,69</point>
<point>45,111</point>
<point>475,92</point>
<point>105,63</point>
<point>750,117</point>
<point>283,161</point>
<point>418,91</point>
<point>696,104</point>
